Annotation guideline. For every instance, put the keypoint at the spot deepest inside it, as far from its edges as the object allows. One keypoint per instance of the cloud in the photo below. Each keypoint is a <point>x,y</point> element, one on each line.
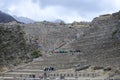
<point>67,10</point>
<point>80,5</point>
<point>116,4</point>
<point>86,8</point>
<point>35,11</point>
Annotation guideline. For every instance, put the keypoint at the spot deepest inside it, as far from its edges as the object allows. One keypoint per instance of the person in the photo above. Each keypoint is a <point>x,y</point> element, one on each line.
<point>45,76</point>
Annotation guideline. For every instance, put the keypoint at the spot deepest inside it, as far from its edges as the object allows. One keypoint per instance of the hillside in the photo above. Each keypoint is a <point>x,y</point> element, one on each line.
<point>14,49</point>
<point>97,41</point>
<point>100,43</point>
<point>5,18</point>
<point>50,35</point>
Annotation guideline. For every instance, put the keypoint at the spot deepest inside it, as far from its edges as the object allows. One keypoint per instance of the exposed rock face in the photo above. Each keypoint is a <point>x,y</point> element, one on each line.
<point>116,33</point>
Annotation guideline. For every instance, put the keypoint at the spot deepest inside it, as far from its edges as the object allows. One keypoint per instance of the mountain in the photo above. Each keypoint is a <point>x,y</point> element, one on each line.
<point>97,41</point>
<point>100,42</point>
<point>24,19</point>
<point>5,18</point>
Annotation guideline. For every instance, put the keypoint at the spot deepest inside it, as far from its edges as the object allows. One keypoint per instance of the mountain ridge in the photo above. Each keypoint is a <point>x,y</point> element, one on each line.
<point>5,18</point>
<point>24,19</point>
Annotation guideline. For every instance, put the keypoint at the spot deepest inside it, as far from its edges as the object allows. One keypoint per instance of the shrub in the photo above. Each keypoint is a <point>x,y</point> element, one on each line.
<point>36,54</point>
<point>98,68</point>
<point>2,69</point>
<point>107,69</point>
<point>114,32</point>
<point>17,62</point>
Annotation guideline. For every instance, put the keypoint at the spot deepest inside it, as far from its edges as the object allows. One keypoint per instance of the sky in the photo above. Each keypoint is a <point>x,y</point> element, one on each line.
<point>66,10</point>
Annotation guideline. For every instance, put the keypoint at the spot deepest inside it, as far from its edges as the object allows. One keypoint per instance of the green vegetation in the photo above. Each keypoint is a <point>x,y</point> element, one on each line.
<point>2,69</point>
<point>17,62</point>
<point>63,51</point>
<point>36,54</point>
<point>13,46</point>
<point>97,68</point>
<point>114,32</point>
<point>108,69</point>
